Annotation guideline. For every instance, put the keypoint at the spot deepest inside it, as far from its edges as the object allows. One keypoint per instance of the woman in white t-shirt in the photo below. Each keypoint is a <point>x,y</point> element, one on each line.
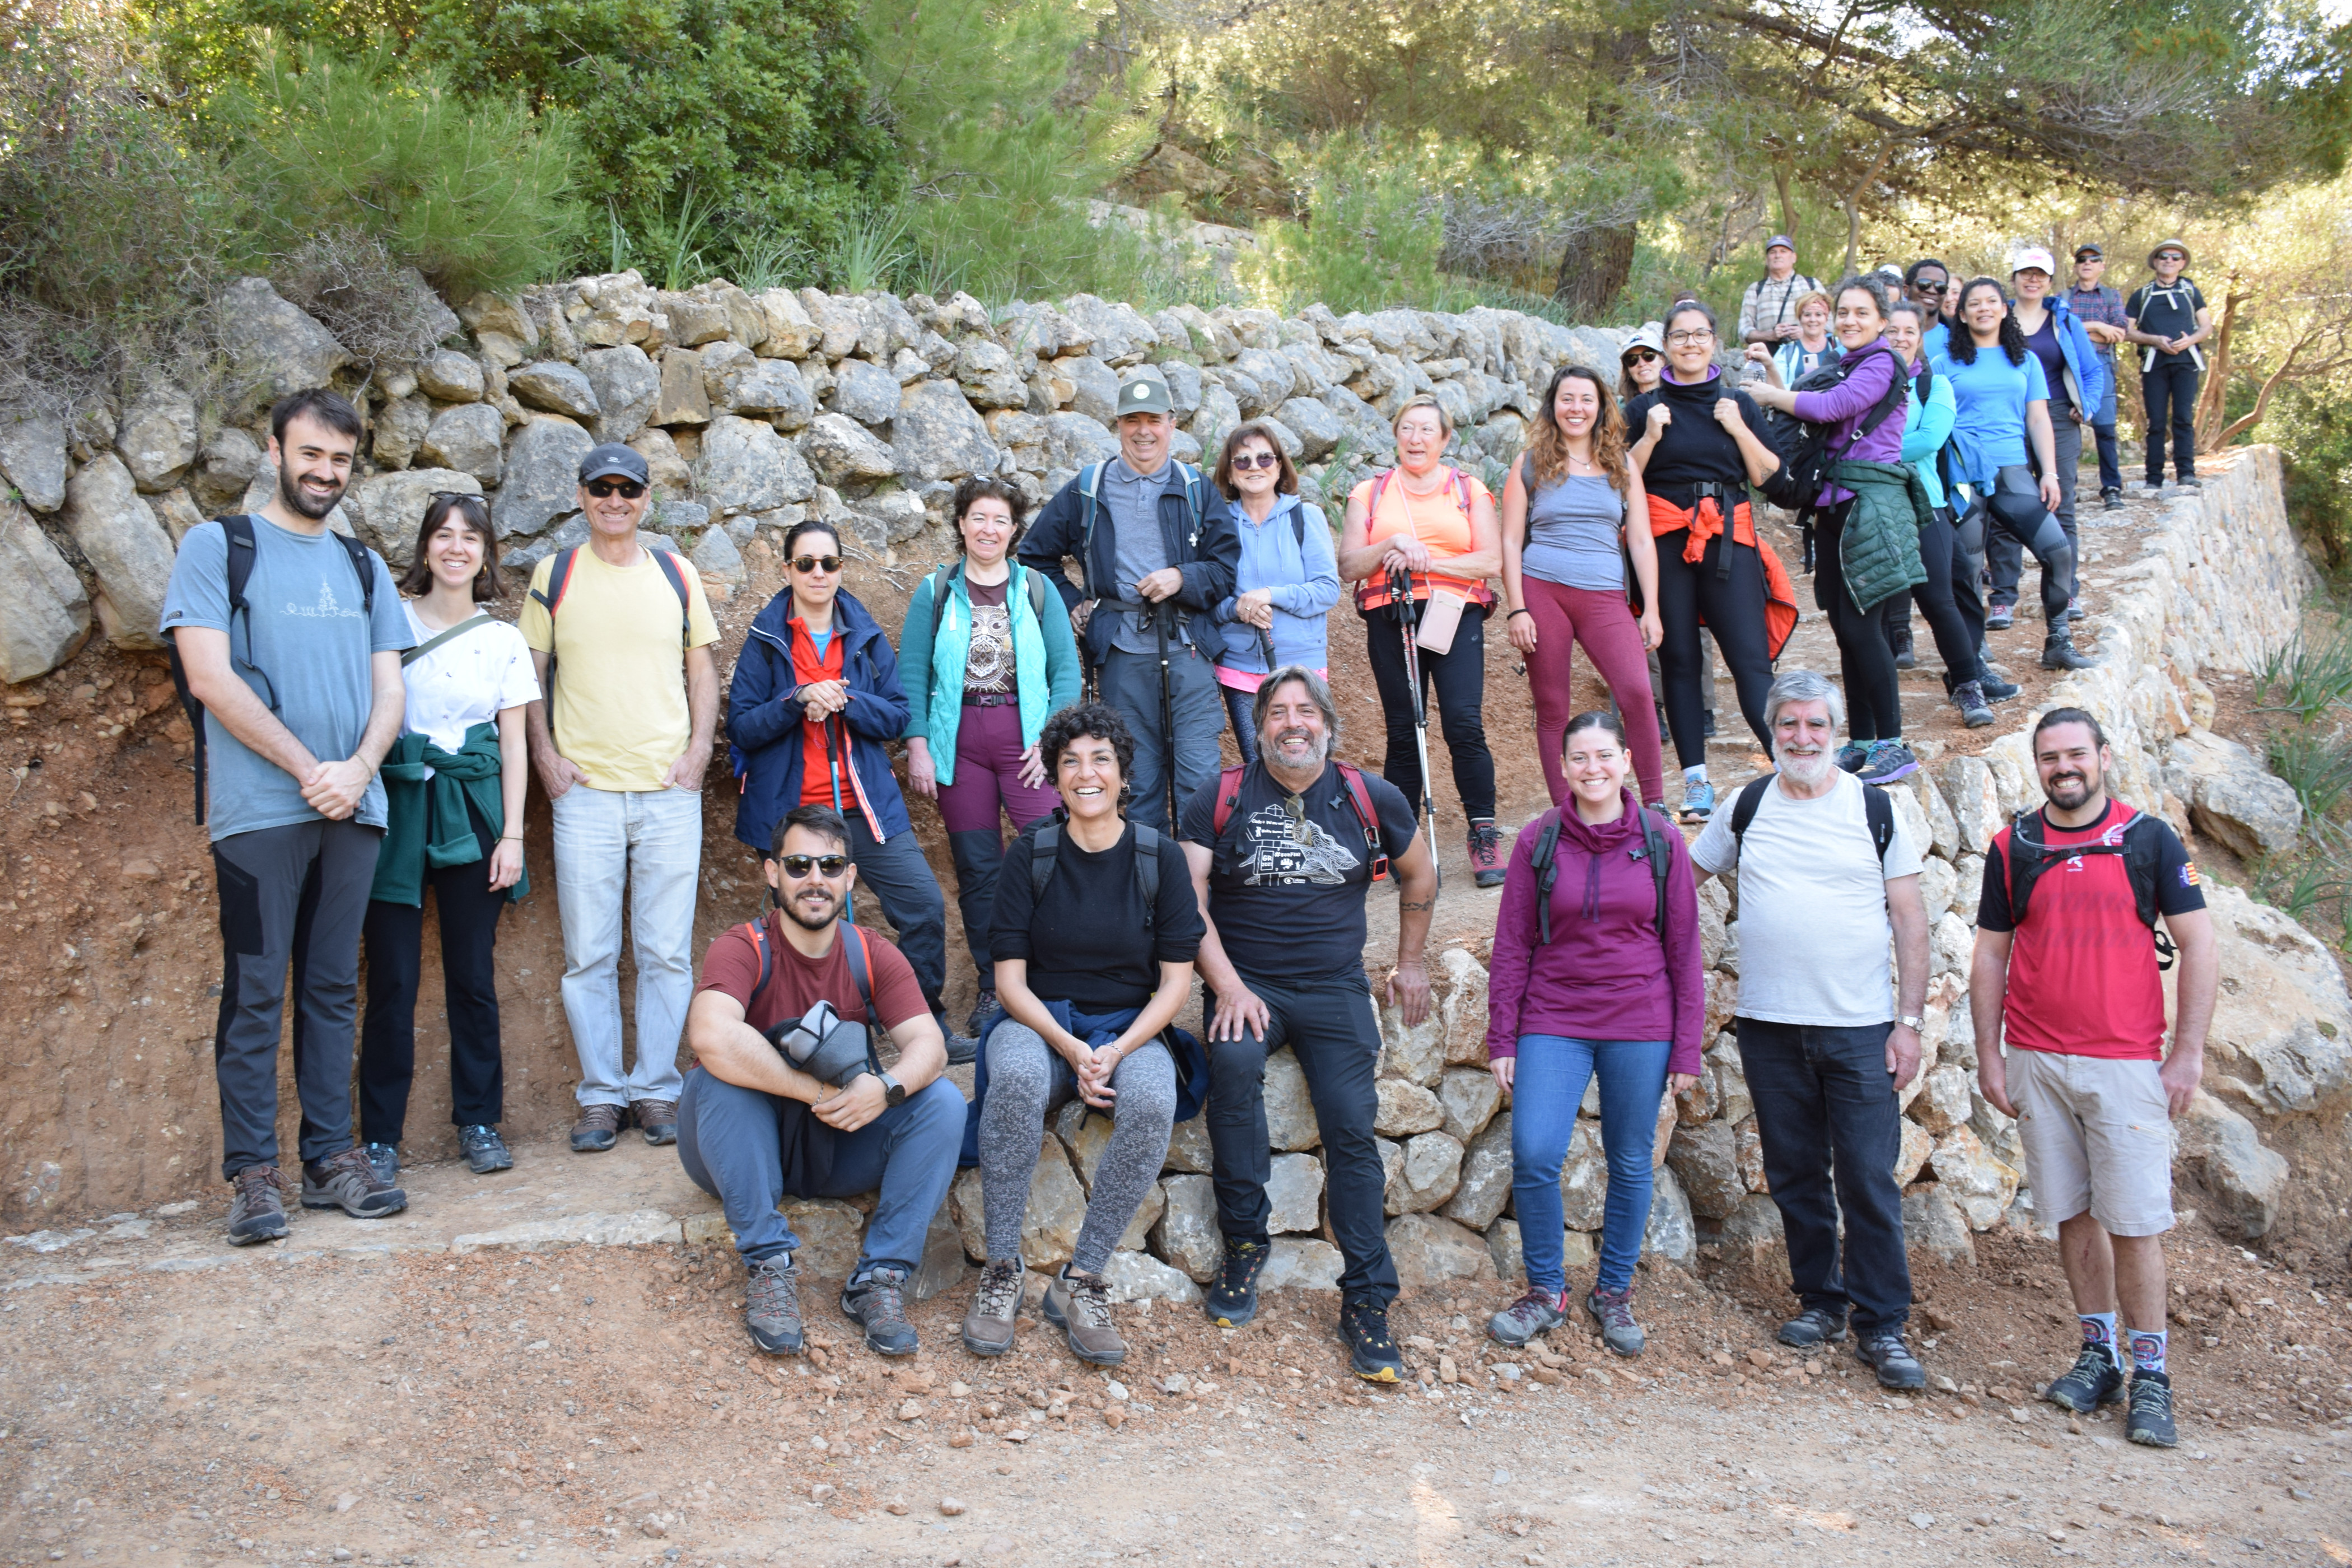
<point>454,787</point>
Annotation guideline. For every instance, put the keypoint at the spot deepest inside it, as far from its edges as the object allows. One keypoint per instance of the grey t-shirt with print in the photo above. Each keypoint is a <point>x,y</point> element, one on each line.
<point>309,641</point>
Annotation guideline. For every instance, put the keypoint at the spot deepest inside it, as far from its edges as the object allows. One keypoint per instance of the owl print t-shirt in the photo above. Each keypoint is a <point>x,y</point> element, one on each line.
<point>1287,886</point>
<point>988,663</point>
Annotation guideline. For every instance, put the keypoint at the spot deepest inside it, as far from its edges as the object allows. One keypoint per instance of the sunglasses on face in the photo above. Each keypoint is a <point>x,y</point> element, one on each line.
<point>816,564</point>
<point>2170,255</point>
<point>1926,287</point>
<point>605,489</point>
<point>1245,461</point>
<point>1642,356</point>
<point>797,866</point>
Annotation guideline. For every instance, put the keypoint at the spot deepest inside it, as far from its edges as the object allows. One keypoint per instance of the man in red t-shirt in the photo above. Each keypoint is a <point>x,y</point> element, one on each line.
<point>753,1129</point>
<point>2066,963</point>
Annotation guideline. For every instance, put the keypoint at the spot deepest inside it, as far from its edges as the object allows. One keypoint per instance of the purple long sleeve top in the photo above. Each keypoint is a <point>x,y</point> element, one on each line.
<point>1845,406</point>
<point>1608,972</point>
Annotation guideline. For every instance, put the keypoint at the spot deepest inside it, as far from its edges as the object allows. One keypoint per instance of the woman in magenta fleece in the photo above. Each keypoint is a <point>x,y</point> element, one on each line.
<point>1585,980</point>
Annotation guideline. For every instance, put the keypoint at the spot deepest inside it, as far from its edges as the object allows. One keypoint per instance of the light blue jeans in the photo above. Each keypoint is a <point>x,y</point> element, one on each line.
<point>1546,1088</point>
<point>645,846</point>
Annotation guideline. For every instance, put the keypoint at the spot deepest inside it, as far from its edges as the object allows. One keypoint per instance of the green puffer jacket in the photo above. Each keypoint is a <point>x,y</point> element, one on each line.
<point>1879,548</point>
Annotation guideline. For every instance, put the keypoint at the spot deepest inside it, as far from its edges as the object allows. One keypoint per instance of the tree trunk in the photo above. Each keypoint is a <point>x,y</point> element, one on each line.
<point>1593,268</point>
<point>2214,397</point>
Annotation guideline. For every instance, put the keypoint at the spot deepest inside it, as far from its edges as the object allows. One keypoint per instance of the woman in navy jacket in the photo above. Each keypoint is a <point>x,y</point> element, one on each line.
<point>814,703</point>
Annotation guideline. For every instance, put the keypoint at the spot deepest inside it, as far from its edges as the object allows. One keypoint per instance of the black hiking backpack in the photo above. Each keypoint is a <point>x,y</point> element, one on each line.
<point>1804,447</point>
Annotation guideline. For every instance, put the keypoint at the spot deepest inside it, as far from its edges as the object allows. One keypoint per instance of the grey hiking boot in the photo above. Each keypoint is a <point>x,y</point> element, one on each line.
<point>1613,1311</point>
<point>1812,1327</point>
<point>2059,652</point>
<point>876,1301</point>
<point>484,1149</point>
<point>988,1327</point>
<point>1969,698</point>
<point>657,1119</point>
<point>256,1210</point>
<point>1529,1316</point>
<point>1079,1305</point>
<point>771,1305</point>
<point>598,1129</point>
<point>2094,1380</point>
<point>1886,1354</point>
<point>384,1159</point>
<point>2149,1419</point>
<point>347,1182</point>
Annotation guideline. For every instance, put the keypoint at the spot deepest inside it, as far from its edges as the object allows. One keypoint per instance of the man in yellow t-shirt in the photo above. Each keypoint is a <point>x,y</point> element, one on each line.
<point>621,636</point>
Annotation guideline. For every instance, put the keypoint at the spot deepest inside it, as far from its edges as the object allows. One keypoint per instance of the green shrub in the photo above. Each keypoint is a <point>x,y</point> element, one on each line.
<point>1371,239</point>
<point>476,193</point>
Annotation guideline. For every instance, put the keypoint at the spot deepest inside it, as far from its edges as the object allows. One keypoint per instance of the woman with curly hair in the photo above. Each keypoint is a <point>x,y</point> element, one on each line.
<point>1565,551</point>
<point>1095,931</point>
<point>2004,408</point>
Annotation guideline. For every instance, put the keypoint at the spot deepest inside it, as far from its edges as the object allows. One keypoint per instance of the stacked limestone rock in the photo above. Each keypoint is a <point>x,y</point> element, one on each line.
<point>751,412</point>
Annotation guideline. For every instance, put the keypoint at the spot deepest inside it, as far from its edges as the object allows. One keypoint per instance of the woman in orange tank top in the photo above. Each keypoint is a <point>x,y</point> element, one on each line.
<point>1432,520</point>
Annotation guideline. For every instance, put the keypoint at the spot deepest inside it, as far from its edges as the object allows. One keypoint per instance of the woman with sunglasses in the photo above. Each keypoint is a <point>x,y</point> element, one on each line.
<point>454,787</point>
<point>1094,933</point>
<point>813,706</point>
<point>2003,409</point>
<point>1566,548</point>
<point>1288,581</point>
<point>986,653</point>
<point>1703,454</point>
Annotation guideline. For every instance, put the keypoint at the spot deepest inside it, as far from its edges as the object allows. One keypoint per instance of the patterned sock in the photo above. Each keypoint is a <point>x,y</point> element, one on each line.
<point>2099,1329</point>
<point>2147,1350</point>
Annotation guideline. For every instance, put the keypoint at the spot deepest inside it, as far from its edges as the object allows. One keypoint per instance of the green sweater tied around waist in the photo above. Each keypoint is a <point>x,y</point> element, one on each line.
<point>427,827</point>
<point>1879,548</point>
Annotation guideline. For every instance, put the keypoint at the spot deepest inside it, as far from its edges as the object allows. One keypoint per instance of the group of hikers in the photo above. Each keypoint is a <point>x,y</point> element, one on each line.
<point>362,740</point>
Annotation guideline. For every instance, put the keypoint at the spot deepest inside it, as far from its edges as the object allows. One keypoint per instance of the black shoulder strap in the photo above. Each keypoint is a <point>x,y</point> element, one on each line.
<point>1298,526</point>
<point>1744,804</point>
<point>559,578</point>
<point>940,580</point>
<point>1036,587</point>
<point>360,564</point>
<point>1043,846</point>
<point>1879,812</point>
<point>767,959</point>
<point>1546,870</point>
<point>1147,868</point>
<point>242,553</point>
<point>667,560</point>
<point>1653,850</point>
<point>861,970</point>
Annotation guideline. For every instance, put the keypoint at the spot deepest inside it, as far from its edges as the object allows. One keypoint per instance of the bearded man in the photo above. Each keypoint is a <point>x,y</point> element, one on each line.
<point>789,1100</point>
<point>1827,1039</point>
<point>1284,855</point>
<point>290,635</point>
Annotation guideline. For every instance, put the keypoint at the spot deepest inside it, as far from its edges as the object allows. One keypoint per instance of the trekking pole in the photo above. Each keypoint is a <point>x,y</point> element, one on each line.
<point>1160,615</point>
<point>1409,617</point>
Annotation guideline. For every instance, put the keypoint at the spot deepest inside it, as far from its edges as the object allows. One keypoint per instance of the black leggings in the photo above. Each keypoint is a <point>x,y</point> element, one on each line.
<point>1459,675</point>
<point>395,937</point>
<point>1948,598</point>
<point>1732,608</point>
<point>1874,693</point>
<point>2015,507</point>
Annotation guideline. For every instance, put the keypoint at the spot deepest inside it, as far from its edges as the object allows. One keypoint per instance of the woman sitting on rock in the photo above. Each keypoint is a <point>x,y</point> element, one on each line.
<point>1094,934</point>
<point>1596,969</point>
<point>1288,581</point>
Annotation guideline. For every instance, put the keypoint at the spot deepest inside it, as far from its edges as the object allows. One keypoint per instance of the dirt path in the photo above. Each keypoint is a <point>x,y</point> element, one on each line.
<point>168,1402</point>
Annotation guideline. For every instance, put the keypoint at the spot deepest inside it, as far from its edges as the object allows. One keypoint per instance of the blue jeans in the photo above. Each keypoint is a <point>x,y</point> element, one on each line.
<point>645,847</point>
<point>1548,1086</point>
<point>729,1141</point>
<point>1832,1131</point>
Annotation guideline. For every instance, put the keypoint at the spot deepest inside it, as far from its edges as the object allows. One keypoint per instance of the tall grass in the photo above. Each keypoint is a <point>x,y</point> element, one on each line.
<point>2306,678</point>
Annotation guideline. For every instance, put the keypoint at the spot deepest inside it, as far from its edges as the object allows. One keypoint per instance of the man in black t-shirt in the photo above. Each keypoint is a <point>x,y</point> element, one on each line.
<point>1282,887</point>
<point>2168,317</point>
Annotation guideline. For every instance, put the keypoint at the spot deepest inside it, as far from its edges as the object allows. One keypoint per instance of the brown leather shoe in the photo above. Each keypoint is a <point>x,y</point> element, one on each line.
<point>598,1129</point>
<point>1079,1305</point>
<point>657,1119</point>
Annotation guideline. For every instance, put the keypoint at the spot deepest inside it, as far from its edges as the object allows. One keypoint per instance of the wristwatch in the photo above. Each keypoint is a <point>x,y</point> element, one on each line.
<point>893,1091</point>
<point>1911,1021</point>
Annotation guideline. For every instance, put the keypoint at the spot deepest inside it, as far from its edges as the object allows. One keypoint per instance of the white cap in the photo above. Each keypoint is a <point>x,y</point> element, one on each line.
<point>2033,256</point>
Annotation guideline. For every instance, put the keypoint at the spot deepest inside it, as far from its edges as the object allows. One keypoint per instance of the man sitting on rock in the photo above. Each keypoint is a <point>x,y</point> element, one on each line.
<point>1284,854</point>
<point>2067,961</point>
<point>1828,879</point>
<point>787,1098</point>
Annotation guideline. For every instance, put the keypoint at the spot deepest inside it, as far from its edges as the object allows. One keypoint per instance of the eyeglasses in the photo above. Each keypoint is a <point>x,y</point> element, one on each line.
<point>605,489</point>
<point>1257,460</point>
<point>797,866</point>
<point>2170,256</point>
<point>817,562</point>
<point>1642,356</point>
<point>1689,336</point>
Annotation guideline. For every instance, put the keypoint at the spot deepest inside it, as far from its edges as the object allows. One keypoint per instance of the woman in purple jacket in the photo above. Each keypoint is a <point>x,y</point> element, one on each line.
<point>1596,969</point>
<point>1874,698</point>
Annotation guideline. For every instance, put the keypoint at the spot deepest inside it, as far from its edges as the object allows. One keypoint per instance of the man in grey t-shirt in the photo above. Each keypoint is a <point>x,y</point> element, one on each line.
<point>1826,1045</point>
<point>302,698</point>
<point>1156,552</point>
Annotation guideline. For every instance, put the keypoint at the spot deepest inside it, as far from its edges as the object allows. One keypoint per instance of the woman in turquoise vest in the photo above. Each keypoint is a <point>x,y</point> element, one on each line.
<point>986,655</point>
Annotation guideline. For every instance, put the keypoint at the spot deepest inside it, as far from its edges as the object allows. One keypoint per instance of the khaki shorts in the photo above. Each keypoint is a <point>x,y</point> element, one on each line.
<point>2098,1136</point>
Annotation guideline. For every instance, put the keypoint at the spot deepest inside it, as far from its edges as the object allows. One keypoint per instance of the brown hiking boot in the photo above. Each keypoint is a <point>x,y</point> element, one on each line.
<point>598,1129</point>
<point>1079,1305</point>
<point>257,1210</point>
<point>988,1327</point>
<point>657,1119</point>
<point>347,1182</point>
